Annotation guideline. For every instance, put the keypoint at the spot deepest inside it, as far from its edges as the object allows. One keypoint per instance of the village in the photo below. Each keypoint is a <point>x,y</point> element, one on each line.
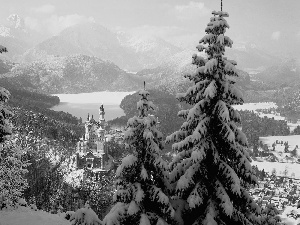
<point>277,167</point>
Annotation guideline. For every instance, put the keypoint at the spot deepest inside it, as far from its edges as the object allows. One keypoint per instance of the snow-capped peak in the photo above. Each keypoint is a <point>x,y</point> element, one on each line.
<point>15,21</point>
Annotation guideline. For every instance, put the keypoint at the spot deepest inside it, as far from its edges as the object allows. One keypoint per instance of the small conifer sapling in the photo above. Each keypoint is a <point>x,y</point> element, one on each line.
<point>142,178</point>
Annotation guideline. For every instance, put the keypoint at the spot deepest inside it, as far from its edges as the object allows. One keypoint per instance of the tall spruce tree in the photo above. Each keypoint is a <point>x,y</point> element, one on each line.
<point>5,126</point>
<point>212,171</point>
<point>142,178</point>
<point>12,167</point>
<point>5,114</point>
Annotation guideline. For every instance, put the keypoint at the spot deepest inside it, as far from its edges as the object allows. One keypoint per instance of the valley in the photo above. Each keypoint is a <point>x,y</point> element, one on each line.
<point>95,120</point>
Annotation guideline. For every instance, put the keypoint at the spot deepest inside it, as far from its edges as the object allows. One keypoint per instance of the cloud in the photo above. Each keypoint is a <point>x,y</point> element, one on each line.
<point>156,31</point>
<point>54,24</point>
<point>175,35</point>
<point>275,35</point>
<point>47,9</point>
<point>32,23</point>
<point>191,10</point>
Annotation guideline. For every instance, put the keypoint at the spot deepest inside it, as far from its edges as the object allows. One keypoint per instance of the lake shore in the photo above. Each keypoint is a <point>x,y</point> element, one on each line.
<point>82,104</point>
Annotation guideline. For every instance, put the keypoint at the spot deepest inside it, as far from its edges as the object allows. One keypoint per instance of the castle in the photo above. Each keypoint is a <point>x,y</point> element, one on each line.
<point>91,152</point>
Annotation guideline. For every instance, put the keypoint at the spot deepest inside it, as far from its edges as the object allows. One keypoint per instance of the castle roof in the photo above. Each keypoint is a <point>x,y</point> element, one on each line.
<point>90,155</point>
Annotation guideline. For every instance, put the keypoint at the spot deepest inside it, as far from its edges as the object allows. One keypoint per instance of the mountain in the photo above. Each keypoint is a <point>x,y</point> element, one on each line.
<point>170,76</point>
<point>71,74</point>
<point>5,66</point>
<point>248,56</point>
<point>16,38</point>
<point>284,74</point>
<point>128,52</point>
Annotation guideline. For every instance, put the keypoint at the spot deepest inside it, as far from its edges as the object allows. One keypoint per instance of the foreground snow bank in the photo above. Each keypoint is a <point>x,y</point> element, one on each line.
<point>85,216</point>
<point>26,216</point>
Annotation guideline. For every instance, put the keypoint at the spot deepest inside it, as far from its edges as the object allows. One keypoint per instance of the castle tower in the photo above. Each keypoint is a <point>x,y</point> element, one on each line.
<point>101,115</point>
<point>87,128</point>
<point>101,135</point>
<point>101,130</point>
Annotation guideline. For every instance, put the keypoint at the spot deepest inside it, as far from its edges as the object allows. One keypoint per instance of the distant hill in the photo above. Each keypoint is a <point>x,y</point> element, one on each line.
<point>166,109</point>
<point>170,76</point>
<point>71,74</point>
<point>285,74</point>
<point>249,57</point>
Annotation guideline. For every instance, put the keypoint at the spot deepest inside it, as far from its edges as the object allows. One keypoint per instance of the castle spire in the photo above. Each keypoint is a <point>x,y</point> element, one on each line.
<point>101,113</point>
<point>221,5</point>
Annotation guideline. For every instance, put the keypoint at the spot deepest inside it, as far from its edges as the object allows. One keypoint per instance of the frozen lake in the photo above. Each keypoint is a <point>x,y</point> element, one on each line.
<point>81,104</point>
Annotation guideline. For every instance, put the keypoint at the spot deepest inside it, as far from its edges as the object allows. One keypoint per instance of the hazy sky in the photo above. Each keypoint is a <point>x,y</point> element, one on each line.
<point>273,24</point>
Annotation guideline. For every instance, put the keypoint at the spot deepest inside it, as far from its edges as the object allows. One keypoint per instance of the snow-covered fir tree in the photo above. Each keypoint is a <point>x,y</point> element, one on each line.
<point>212,171</point>
<point>12,171</point>
<point>142,178</point>
<point>85,216</point>
<point>270,215</point>
<point>12,166</point>
<point>5,114</point>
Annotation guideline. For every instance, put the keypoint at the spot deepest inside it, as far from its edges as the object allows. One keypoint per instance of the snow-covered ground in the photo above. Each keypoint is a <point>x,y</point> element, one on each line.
<point>292,140</point>
<point>265,105</point>
<point>269,115</point>
<point>74,178</point>
<point>255,106</point>
<point>286,219</point>
<point>105,97</point>
<point>280,167</point>
<point>26,216</point>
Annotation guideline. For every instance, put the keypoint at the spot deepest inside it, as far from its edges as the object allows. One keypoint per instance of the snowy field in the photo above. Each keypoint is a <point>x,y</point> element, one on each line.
<point>105,97</point>
<point>255,106</point>
<point>265,105</point>
<point>293,140</point>
<point>26,216</point>
<point>287,220</point>
<point>280,167</point>
<point>269,115</point>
